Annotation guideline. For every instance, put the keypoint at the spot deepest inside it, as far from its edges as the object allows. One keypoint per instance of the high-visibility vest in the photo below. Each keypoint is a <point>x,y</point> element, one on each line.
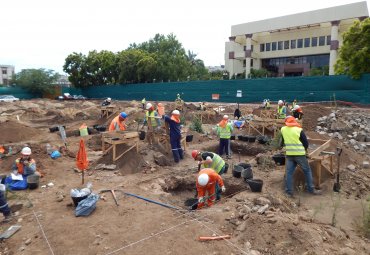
<point>217,163</point>
<point>293,146</point>
<point>267,105</point>
<point>115,121</point>
<point>281,112</point>
<point>153,121</point>
<point>225,132</point>
<point>20,165</point>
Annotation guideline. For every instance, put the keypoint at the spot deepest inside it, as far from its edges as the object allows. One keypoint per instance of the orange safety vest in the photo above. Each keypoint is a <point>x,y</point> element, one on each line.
<point>160,110</point>
<point>213,179</point>
<point>20,165</point>
<point>112,125</point>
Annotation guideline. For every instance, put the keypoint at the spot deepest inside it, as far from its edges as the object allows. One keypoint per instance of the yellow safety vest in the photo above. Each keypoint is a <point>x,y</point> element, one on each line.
<point>293,146</point>
<point>225,133</point>
<point>217,163</point>
<point>153,121</point>
<point>281,114</point>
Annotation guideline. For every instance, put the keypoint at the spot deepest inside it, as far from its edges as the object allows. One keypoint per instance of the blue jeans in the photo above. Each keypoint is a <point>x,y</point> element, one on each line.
<point>291,164</point>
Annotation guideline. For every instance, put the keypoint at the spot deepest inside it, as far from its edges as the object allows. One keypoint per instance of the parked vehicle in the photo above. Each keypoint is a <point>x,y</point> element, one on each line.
<point>8,98</point>
<point>67,96</point>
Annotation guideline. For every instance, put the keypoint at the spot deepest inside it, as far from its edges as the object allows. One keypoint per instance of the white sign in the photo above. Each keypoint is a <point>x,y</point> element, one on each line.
<point>238,93</point>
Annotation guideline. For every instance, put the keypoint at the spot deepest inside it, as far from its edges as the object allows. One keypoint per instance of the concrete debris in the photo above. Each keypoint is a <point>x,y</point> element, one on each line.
<point>105,167</point>
<point>366,164</point>
<point>262,201</point>
<point>263,209</point>
<point>351,167</point>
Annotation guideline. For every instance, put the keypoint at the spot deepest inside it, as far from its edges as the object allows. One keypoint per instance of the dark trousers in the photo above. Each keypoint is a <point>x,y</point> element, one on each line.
<point>224,146</point>
<point>4,208</point>
<point>218,188</point>
<point>176,148</point>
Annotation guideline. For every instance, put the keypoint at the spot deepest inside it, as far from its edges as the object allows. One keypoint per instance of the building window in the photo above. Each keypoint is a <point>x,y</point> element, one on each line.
<point>280,45</point>
<point>273,46</point>
<point>268,46</point>
<point>244,63</point>
<point>300,43</point>
<point>321,40</point>
<point>244,48</point>
<point>293,44</point>
<point>252,62</point>
<point>328,40</point>
<point>286,45</point>
<point>262,47</point>
<point>4,71</point>
<point>252,48</point>
<point>307,42</point>
<point>314,42</point>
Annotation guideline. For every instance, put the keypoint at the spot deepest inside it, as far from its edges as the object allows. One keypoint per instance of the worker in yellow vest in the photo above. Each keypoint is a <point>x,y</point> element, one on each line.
<point>296,144</point>
<point>152,120</point>
<point>281,110</point>
<point>224,130</point>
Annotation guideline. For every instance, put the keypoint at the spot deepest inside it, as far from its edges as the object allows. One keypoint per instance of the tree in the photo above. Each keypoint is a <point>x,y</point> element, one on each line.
<point>354,55</point>
<point>36,80</point>
<point>319,71</point>
<point>258,73</point>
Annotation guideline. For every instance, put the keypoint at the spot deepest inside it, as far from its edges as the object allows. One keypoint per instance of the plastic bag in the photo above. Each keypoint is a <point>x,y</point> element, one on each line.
<point>87,206</point>
<point>55,155</point>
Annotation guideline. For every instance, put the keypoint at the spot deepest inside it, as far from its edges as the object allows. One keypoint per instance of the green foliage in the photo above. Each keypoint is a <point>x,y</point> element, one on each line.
<point>196,125</point>
<point>36,80</point>
<point>162,58</point>
<point>319,71</point>
<point>363,225</point>
<point>258,73</point>
<point>354,55</point>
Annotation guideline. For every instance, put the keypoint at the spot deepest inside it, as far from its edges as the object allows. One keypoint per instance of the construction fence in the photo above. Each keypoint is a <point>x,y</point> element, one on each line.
<point>304,89</point>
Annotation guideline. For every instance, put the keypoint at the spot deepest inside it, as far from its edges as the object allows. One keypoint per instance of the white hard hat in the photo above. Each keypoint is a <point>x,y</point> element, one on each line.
<point>148,106</point>
<point>296,107</point>
<point>280,102</point>
<point>203,179</point>
<point>26,151</point>
<point>109,99</point>
<point>176,112</point>
<point>226,117</point>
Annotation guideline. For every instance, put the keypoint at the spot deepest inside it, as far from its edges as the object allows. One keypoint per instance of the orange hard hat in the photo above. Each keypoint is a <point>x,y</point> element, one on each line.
<point>194,154</point>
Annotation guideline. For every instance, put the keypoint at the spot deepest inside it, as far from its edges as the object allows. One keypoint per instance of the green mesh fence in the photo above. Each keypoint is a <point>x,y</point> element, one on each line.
<point>304,89</point>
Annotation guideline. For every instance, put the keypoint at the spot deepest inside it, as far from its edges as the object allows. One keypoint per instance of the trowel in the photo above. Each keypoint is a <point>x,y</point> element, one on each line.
<point>336,187</point>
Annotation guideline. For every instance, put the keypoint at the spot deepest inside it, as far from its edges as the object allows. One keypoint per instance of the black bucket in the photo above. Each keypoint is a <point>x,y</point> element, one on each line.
<point>142,135</point>
<point>33,181</point>
<point>251,139</point>
<point>100,128</point>
<point>237,171</point>
<point>191,203</point>
<point>263,139</point>
<point>189,138</point>
<point>76,200</point>
<point>245,165</point>
<point>55,129</point>
<point>232,137</point>
<point>247,174</point>
<point>279,159</point>
<point>226,167</point>
<point>255,185</point>
<point>240,137</point>
<point>245,138</point>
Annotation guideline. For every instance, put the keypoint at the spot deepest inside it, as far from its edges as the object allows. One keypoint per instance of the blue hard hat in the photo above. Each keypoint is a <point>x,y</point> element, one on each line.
<point>123,115</point>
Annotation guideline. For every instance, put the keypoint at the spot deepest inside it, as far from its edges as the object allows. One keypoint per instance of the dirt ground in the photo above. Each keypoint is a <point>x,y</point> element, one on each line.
<point>258,223</point>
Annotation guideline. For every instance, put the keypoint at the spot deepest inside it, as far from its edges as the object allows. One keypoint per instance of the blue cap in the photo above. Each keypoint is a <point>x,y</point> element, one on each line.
<point>123,115</point>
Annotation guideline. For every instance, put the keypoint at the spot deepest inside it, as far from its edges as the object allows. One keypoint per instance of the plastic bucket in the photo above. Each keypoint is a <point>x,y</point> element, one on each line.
<point>33,181</point>
<point>76,200</point>
<point>226,168</point>
<point>245,165</point>
<point>237,171</point>
<point>245,138</point>
<point>232,137</point>
<point>247,174</point>
<point>279,159</point>
<point>189,138</point>
<point>142,135</point>
<point>240,137</point>
<point>192,203</point>
<point>84,131</point>
<point>251,139</point>
<point>255,185</point>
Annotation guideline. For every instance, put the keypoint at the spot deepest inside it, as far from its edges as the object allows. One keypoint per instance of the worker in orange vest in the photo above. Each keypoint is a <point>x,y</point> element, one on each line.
<point>160,109</point>
<point>118,123</point>
<point>207,181</point>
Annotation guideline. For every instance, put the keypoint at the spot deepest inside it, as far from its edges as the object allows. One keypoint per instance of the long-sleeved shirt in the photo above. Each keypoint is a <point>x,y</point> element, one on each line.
<point>175,128</point>
<point>25,169</point>
<point>302,138</point>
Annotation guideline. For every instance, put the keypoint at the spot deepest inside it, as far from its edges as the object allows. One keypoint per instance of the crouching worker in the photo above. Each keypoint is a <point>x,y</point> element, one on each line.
<point>4,208</point>
<point>22,167</point>
<point>207,183</point>
<point>118,123</point>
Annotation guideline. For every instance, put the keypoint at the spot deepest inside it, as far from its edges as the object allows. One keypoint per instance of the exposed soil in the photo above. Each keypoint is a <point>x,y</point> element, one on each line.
<point>300,225</point>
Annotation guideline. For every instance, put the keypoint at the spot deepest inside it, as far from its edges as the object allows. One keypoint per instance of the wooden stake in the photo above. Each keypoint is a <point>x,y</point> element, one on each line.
<point>83,176</point>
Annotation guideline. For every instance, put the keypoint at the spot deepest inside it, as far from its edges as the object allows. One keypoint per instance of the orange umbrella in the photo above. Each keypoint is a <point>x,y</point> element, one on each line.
<point>82,162</point>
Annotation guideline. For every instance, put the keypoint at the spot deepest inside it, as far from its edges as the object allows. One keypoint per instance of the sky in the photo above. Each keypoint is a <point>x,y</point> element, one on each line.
<point>42,33</point>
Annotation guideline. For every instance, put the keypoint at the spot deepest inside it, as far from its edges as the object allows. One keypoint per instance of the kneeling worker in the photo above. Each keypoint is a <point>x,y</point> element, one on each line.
<point>118,123</point>
<point>207,182</point>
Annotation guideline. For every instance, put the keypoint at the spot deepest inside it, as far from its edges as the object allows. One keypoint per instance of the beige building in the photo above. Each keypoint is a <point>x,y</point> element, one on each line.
<point>291,45</point>
<point>6,74</point>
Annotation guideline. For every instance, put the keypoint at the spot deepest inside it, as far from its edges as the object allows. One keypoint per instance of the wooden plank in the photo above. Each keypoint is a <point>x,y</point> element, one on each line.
<point>134,146</point>
<point>316,153</point>
<point>316,141</point>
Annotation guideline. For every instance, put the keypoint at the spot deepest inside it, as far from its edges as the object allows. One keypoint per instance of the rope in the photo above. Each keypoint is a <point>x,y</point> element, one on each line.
<point>43,232</point>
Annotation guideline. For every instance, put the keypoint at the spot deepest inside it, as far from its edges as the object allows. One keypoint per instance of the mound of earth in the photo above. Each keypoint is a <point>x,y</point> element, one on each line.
<point>11,132</point>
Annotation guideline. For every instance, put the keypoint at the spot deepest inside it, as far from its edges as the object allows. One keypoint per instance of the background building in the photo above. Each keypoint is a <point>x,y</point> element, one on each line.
<point>6,74</point>
<point>291,45</point>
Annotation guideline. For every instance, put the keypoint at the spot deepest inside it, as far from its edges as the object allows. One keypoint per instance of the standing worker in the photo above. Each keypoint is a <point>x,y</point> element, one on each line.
<point>118,123</point>
<point>152,120</point>
<point>160,109</point>
<point>297,112</point>
<point>267,105</point>
<point>281,110</point>
<point>207,182</point>
<point>175,135</point>
<point>224,131</point>
<point>143,101</point>
<point>295,142</point>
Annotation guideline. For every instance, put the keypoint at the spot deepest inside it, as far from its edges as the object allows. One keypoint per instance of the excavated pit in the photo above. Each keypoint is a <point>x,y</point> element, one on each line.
<point>244,148</point>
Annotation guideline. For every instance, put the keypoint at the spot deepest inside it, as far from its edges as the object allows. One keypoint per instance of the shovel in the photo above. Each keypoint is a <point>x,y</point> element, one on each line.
<point>336,187</point>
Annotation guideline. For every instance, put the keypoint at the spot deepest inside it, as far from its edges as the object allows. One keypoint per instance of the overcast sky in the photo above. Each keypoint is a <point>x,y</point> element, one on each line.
<point>41,33</point>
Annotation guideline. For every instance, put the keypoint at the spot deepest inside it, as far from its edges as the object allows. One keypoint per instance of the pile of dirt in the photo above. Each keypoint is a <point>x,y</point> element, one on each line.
<point>11,132</point>
<point>311,114</point>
